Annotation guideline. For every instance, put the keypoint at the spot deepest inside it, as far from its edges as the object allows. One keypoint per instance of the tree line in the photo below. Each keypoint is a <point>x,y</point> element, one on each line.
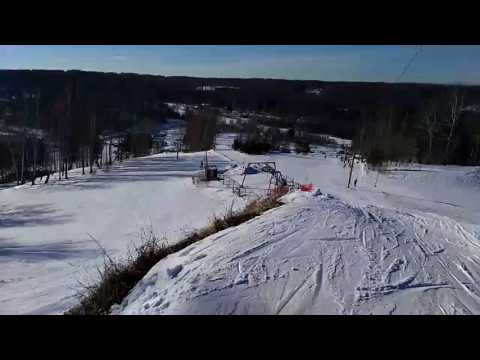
<point>76,108</point>
<point>440,130</point>
<point>201,129</point>
<point>82,123</point>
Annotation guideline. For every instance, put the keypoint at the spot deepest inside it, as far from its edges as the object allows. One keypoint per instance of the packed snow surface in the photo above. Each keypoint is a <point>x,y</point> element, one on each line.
<point>403,241</point>
<point>46,247</point>
<point>409,245</point>
<point>321,255</point>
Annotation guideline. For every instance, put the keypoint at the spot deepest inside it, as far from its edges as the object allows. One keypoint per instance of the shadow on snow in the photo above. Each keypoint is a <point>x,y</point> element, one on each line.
<point>31,215</point>
<point>46,252</point>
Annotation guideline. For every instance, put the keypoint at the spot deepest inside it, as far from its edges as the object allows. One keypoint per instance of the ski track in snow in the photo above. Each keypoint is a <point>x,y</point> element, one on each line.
<point>409,246</point>
<point>361,251</point>
<point>330,276</point>
<point>45,247</point>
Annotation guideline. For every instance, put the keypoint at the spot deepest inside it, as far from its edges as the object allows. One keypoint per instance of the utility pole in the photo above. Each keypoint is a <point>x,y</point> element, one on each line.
<point>110,150</point>
<point>34,141</point>
<point>351,170</point>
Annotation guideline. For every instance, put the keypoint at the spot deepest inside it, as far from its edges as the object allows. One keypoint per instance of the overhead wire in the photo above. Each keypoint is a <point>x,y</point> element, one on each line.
<point>407,66</point>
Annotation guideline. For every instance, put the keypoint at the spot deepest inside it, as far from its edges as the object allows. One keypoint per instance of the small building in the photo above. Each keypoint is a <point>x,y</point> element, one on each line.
<point>211,173</point>
<point>317,92</point>
<point>205,88</point>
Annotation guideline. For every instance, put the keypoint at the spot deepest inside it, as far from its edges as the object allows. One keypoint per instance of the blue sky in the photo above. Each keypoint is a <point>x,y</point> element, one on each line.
<point>436,64</point>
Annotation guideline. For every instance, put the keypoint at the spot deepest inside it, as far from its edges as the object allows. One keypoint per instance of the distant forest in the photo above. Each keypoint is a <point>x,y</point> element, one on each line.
<point>75,109</point>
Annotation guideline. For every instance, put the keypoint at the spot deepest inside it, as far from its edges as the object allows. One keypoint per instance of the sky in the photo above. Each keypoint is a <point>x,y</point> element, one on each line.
<point>457,64</point>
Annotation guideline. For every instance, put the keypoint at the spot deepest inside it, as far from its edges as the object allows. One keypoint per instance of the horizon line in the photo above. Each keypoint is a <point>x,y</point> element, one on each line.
<point>251,78</point>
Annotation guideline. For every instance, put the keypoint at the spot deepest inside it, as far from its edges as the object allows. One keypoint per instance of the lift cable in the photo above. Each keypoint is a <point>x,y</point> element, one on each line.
<point>407,66</point>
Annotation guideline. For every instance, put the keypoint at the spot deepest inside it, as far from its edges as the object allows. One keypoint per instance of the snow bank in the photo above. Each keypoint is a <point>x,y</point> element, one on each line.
<point>45,244</point>
<point>320,255</point>
<point>410,245</point>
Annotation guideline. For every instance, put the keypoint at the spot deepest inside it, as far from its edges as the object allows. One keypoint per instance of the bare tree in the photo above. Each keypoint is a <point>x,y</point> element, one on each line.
<point>201,130</point>
<point>91,150</point>
<point>454,110</point>
<point>24,135</point>
<point>430,126</point>
<point>47,161</point>
<point>34,139</point>
<point>68,124</point>
<point>22,162</point>
<point>14,160</point>
<point>475,151</point>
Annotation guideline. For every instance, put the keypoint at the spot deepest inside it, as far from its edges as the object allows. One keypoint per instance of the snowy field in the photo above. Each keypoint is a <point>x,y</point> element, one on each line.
<point>45,244</point>
<point>411,245</point>
<point>452,191</point>
<point>320,255</point>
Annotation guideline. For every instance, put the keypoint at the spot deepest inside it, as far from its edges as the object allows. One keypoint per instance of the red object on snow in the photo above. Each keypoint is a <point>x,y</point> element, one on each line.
<point>306,187</point>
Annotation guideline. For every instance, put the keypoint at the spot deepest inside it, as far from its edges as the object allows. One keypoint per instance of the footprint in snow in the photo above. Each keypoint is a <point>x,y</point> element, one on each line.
<point>173,272</point>
<point>186,252</point>
<point>164,306</point>
<point>158,303</point>
<point>198,257</point>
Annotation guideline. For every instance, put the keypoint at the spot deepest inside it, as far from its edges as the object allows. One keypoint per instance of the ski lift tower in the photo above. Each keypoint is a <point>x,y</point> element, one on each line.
<point>269,167</point>
<point>178,146</point>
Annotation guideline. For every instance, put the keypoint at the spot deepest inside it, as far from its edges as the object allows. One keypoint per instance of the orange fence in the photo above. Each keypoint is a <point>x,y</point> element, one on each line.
<point>306,187</point>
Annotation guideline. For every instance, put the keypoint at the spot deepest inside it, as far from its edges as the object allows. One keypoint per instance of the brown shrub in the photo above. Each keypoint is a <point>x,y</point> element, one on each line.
<point>118,278</point>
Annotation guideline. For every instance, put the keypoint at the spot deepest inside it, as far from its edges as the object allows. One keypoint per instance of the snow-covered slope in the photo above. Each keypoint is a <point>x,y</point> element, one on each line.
<point>45,244</point>
<point>452,191</point>
<point>320,255</point>
<point>410,245</point>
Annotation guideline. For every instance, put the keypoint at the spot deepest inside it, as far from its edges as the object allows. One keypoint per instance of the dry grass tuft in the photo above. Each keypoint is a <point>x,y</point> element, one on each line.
<point>118,278</point>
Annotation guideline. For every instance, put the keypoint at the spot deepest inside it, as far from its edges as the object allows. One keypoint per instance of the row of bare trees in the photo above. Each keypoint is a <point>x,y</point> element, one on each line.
<point>50,137</point>
<point>201,129</point>
<point>52,122</point>
<point>440,131</point>
<point>441,121</point>
<point>79,127</point>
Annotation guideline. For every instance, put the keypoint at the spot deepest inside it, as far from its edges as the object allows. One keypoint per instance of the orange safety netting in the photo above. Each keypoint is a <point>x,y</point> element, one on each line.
<point>306,187</point>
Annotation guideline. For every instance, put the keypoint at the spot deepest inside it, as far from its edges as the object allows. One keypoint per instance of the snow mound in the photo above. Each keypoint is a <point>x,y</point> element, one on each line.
<point>45,248</point>
<point>302,196</point>
<point>321,255</point>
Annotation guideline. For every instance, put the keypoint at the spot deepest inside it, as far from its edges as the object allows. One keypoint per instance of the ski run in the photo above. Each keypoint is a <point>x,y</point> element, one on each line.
<point>409,245</point>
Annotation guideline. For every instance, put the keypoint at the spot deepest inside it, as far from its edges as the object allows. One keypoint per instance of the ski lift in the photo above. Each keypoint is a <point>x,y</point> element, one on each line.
<point>211,173</point>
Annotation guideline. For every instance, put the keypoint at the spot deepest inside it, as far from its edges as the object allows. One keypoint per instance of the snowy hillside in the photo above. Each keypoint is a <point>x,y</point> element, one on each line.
<point>320,255</point>
<point>445,190</point>
<point>45,244</point>
<point>411,245</point>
